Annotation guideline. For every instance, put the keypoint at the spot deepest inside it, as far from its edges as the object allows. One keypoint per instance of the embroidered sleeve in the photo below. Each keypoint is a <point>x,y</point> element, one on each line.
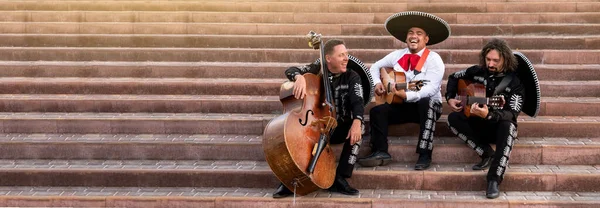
<point>356,96</point>
<point>291,72</point>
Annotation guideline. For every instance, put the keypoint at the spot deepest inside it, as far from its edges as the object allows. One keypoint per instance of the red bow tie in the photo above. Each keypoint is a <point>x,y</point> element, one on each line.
<point>409,60</point>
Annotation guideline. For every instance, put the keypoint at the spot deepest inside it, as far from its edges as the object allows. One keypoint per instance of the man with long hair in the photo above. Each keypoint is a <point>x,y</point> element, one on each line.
<point>487,124</point>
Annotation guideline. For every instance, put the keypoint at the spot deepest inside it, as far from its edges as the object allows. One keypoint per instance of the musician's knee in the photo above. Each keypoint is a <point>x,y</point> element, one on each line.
<point>455,117</point>
<point>379,110</point>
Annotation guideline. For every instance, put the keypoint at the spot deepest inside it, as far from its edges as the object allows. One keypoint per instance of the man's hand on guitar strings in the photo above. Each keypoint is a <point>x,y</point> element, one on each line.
<point>379,89</point>
<point>479,111</point>
<point>455,105</point>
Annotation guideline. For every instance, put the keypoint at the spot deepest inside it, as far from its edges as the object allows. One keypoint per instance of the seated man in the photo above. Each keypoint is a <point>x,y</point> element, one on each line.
<point>423,107</point>
<point>347,88</point>
<point>486,124</point>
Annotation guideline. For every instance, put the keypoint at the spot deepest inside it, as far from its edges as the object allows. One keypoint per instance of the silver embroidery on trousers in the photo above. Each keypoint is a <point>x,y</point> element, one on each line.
<point>507,150</point>
<point>352,160</point>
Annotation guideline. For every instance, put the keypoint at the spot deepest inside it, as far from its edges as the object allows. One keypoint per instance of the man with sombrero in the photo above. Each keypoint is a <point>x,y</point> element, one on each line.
<point>351,86</point>
<point>417,30</point>
<point>511,78</point>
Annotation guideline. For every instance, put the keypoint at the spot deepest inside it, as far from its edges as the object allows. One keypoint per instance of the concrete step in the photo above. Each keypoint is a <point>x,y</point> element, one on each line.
<point>450,56</point>
<point>251,104</point>
<point>140,103</point>
<point>201,86</point>
<point>261,197</point>
<point>250,124</point>
<point>547,72</point>
<point>487,29</point>
<point>302,17</point>
<point>255,174</point>
<point>448,150</point>
<point>324,7</point>
<point>282,42</point>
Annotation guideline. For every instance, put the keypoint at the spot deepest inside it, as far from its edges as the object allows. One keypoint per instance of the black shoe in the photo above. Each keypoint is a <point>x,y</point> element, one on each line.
<point>424,162</point>
<point>341,185</point>
<point>376,158</point>
<point>282,192</point>
<point>492,190</point>
<point>485,163</point>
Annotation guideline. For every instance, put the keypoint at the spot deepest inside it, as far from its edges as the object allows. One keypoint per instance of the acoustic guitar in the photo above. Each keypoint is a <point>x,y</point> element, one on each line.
<point>391,78</point>
<point>469,93</point>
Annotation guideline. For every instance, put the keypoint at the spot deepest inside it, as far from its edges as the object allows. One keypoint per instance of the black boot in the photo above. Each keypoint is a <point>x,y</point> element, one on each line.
<point>376,158</point>
<point>282,192</point>
<point>485,163</point>
<point>424,161</point>
<point>492,190</point>
<point>341,185</point>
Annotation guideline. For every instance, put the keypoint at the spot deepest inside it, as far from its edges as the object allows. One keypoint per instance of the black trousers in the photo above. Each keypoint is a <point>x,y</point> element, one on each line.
<point>478,133</point>
<point>349,152</point>
<point>425,112</point>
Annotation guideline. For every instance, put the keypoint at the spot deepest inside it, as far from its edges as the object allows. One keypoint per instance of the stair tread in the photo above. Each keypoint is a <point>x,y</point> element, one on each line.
<point>230,64</point>
<point>210,80</point>
<point>233,116</point>
<point>262,166</point>
<point>270,98</point>
<point>230,139</point>
<point>266,193</point>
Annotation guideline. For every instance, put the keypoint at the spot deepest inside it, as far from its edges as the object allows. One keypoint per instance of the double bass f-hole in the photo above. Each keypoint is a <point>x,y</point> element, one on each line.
<point>305,118</point>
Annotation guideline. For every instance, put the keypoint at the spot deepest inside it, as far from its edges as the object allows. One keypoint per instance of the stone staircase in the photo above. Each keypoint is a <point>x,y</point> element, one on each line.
<point>162,103</point>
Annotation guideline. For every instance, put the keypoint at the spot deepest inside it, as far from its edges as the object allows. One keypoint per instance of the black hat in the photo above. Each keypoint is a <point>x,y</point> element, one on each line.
<point>436,28</point>
<point>365,76</point>
<point>530,82</point>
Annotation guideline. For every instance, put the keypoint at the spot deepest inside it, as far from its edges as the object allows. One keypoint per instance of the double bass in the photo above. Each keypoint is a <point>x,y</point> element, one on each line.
<point>296,142</point>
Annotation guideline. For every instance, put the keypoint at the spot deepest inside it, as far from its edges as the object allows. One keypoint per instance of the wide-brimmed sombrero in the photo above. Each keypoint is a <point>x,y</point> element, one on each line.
<point>530,82</point>
<point>365,76</point>
<point>398,24</point>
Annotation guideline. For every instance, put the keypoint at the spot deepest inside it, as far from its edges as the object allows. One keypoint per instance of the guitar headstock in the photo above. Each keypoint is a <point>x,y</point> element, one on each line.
<point>314,40</point>
<point>496,101</point>
<point>417,85</point>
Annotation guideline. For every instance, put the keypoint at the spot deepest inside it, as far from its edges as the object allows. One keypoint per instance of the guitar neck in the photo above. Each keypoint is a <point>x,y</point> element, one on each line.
<point>401,86</point>
<point>480,100</point>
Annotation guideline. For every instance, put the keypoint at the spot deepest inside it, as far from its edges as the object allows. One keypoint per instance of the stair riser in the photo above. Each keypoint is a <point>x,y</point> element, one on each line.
<point>443,154</point>
<point>408,180</point>
<point>265,55</point>
<point>383,42</point>
<point>255,127</point>
<point>281,29</point>
<point>544,72</point>
<point>456,7</point>
<point>286,16</point>
<point>270,106</point>
<point>215,88</point>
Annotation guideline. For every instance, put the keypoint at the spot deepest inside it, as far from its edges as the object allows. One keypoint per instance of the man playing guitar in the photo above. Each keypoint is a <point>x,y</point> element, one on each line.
<point>479,124</point>
<point>417,30</point>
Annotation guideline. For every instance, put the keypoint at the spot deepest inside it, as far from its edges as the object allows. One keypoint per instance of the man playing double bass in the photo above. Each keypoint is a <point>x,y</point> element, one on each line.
<point>347,88</point>
<point>417,30</point>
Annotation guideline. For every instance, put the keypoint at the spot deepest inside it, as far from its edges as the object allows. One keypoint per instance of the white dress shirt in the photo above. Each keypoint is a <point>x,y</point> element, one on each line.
<point>432,70</point>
